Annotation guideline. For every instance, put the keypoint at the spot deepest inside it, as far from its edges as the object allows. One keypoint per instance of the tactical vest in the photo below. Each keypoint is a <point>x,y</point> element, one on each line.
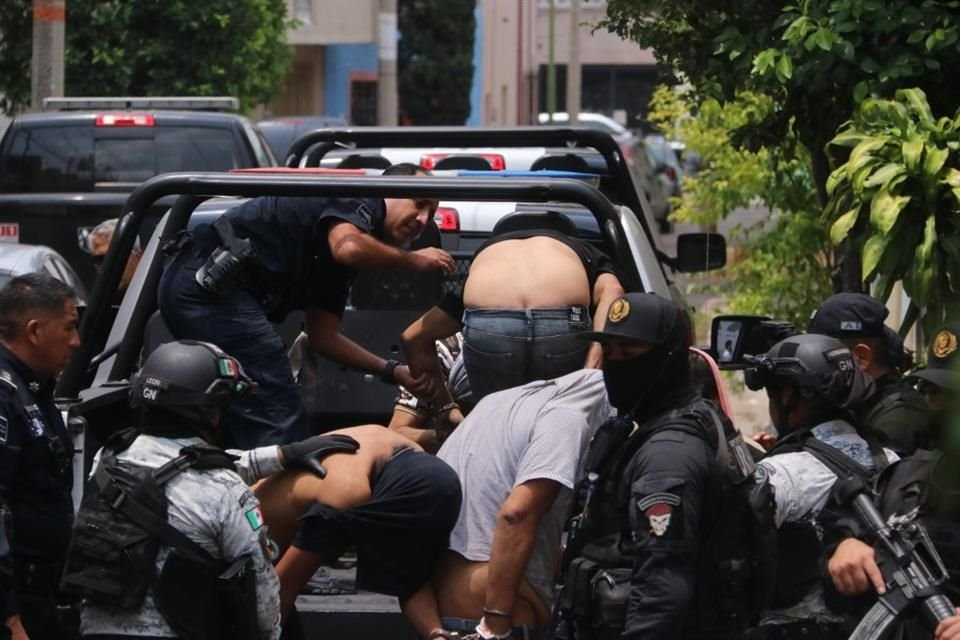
<point>801,542</point>
<point>121,524</point>
<point>598,559</point>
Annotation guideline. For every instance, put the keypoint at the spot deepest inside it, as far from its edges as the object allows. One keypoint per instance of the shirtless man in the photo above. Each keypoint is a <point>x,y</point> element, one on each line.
<point>392,500</point>
<point>517,455</point>
<point>528,293</point>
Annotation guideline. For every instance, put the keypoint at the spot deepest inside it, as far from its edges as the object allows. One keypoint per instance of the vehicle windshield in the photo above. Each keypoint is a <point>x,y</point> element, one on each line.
<point>52,159</point>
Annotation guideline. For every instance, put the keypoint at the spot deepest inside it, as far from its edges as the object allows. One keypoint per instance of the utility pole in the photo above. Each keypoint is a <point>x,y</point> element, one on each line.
<point>573,65</point>
<point>387,64</point>
<point>551,66</point>
<point>46,67</point>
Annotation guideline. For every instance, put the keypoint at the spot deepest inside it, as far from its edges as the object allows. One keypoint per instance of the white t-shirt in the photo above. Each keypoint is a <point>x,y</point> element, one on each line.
<point>535,431</point>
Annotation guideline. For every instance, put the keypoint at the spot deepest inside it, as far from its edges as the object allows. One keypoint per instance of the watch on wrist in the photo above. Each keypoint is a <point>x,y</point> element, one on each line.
<point>387,375</point>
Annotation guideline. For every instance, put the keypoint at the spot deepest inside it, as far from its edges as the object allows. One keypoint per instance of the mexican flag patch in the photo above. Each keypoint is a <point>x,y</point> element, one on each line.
<point>255,518</point>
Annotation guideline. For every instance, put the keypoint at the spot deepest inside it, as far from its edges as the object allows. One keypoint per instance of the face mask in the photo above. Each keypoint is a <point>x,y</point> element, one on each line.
<point>632,382</point>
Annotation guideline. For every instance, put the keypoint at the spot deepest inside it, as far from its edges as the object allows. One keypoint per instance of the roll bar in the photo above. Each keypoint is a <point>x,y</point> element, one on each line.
<point>195,187</point>
<point>319,142</point>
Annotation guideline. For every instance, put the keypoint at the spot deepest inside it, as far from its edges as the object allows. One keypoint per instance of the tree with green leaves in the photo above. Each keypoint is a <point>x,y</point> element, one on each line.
<point>144,48</point>
<point>815,58</point>
<point>786,266</point>
<point>435,60</point>
<point>897,198</point>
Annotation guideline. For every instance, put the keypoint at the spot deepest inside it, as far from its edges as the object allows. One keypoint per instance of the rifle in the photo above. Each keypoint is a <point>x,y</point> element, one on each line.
<point>912,568</point>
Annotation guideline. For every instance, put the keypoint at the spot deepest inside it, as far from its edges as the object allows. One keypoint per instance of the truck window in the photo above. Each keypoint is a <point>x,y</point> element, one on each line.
<point>59,159</point>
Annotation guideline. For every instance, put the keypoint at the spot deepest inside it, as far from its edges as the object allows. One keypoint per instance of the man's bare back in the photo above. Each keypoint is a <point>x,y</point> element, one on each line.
<point>286,496</point>
<point>552,276</point>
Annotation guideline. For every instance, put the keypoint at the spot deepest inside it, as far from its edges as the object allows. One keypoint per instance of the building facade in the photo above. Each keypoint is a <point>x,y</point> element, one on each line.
<point>335,66</point>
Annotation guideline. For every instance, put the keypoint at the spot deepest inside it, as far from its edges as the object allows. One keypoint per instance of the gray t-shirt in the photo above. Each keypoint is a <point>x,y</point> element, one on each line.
<point>535,431</point>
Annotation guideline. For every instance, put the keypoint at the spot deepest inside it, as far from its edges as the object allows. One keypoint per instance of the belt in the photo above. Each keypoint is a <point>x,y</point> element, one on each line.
<point>801,630</point>
<point>467,625</point>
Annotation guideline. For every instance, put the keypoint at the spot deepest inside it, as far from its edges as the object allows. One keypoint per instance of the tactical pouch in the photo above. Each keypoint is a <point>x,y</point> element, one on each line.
<point>577,593</point>
<point>111,560</point>
<point>201,601</point>
<point>611,592</point>
<point>237,600</point>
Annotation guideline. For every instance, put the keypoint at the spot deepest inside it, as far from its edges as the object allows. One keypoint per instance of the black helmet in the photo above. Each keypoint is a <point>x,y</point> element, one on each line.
<point>821,368</point>
<point>190,379</point>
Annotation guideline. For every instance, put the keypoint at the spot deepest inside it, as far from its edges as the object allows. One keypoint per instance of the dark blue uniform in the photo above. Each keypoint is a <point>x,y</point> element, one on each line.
<point>7,607</point>
<point>35,482</point>
<point>293,269</point>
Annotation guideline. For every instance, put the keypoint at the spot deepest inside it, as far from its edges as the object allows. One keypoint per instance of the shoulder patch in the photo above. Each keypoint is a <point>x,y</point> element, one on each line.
<point>254,518</point>
<point>6,380</point>
<point>247,500</point>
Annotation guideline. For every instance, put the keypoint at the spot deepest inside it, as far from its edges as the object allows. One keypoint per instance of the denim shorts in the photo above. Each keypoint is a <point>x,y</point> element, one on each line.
<point>505,348</point>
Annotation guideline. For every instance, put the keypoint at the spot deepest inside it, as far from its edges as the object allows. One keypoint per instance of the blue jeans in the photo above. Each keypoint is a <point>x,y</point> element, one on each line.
<point>505,348</point>
<point>235,322</point>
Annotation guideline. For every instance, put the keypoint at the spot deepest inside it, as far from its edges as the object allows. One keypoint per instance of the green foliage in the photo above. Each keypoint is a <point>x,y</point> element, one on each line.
<point>897,197</point>
<point>786,268</point>
<point>435,60</point>
<point>149,47</point>
<point>814,57</point>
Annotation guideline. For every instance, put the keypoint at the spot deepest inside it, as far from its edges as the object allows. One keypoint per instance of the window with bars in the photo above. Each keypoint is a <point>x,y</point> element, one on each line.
<point>363,102</point>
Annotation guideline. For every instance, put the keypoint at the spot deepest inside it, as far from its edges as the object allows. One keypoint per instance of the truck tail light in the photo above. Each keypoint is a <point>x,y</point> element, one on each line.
<point>447,219</point>
<point>429,160</point>
<point>125,120</point>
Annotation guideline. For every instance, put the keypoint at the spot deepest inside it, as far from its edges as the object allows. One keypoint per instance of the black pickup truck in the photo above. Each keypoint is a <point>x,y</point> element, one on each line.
<point>66,170</point>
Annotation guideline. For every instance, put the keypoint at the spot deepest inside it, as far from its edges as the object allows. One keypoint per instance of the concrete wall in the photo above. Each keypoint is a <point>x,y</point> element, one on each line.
<point>601,47</point>
<point>507,63</point>
<point>333,21</point>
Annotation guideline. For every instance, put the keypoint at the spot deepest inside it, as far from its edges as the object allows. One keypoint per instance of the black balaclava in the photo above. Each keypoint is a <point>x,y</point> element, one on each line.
<point>648,385</point>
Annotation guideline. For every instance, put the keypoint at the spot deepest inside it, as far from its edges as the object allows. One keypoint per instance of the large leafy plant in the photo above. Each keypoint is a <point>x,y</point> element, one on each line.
<point>897,199</point>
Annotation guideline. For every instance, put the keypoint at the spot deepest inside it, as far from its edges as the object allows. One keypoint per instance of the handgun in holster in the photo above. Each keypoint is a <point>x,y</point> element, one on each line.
<point>227,261</point>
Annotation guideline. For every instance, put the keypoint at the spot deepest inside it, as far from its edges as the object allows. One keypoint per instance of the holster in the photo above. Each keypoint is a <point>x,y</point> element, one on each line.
<point>226,262</point>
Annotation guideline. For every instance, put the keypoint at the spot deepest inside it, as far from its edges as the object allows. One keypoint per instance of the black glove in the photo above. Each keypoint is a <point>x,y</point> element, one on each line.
<point>307,454</point>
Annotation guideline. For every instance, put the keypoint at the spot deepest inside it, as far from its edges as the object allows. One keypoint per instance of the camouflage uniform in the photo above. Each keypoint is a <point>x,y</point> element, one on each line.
<point>214,509</point>
<point>801,486</point>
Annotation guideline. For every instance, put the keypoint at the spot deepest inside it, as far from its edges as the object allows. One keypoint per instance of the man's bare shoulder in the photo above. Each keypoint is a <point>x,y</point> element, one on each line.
<point>378,440</point>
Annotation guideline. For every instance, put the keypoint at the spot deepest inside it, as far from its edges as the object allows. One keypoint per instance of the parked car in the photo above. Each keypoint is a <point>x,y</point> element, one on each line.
<point>281,132</point>
<point>19,259</point>
<point>666,163</point>
<point>638,158</point>
<point>380,306</point>
<point>73,167</point>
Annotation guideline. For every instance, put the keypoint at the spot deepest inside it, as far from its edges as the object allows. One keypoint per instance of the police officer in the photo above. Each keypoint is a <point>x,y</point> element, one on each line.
<point>656,497</point>
<point>810,381</point>
<point>270,256</point>
<point>6,574</point>
<point>895,412</point>
<point>38,332</point>
<point>927,480</point>
<point>182,390</point>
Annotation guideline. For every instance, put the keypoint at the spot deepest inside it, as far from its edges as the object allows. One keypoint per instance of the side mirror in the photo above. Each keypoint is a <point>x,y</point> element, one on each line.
<point>700,252</point>
<point>660,167</point>
<point>733,337</point>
